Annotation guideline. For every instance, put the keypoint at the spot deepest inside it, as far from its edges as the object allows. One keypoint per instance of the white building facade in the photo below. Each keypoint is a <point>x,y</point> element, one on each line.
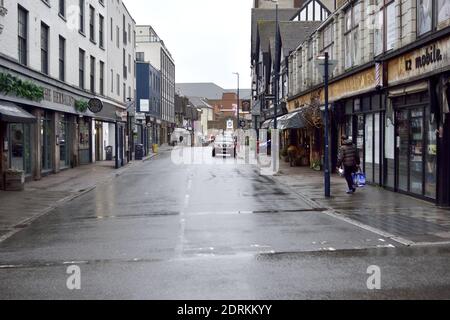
<point>55,57</point>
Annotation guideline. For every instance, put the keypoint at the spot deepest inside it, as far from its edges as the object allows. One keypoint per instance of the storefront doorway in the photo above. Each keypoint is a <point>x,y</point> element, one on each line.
<point>20,147</point>
<point>98,141</point>
<point>84,141</point>
<point>47,142</point>
<point>416,141</point>
<point>65,139</point>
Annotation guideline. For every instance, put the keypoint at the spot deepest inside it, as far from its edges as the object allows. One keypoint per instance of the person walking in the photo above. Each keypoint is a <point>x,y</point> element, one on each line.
<point>348,159</point>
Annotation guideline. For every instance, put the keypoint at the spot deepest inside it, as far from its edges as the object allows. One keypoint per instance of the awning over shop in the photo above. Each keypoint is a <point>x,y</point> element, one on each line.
<point>291,121</point>
<point>419,87</point>
<point>10,112</point>
<point>267,124</point>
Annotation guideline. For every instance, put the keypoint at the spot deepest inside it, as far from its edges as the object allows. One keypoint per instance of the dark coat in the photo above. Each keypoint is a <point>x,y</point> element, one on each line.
<point>348,155</point>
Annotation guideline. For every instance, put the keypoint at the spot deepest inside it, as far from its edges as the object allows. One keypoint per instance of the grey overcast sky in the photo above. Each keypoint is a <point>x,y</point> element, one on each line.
<point>209,39</point>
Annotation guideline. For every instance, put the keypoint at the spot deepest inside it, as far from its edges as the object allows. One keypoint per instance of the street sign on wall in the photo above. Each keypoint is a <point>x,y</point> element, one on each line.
<point>230,124</point>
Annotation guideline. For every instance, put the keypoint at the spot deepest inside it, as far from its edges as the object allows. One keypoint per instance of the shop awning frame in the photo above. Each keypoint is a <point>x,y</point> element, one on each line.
<point>292,121</point>
<point>10,112</point>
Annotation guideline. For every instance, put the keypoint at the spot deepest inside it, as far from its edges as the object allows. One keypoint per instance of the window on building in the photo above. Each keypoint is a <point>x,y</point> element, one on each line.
<point>124,61</point>
<point>102,78</point>
<point>118,37</point>
<point>328,40</point>
<point>129,63</point>
<point>62,8</point>
<point>385,33</point>
<point>112,80</point>
<point>430,14</point>
<point>44,47</point>
<point>352,20</point>
<point>125,37</point>
<point>312,11</point>
<point>23,35</point>
<point>92,23</point>
<point>81,68</point>
<point>443,11</point>
<point>101,26</point>
<point>118,84</point>
<point>81,3</point>
<point>92,74</point>
<point>62,58</point>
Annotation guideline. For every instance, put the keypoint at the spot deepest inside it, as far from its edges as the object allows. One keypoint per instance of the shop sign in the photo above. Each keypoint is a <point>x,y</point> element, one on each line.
<point>420,62</point>
<point>140,116</point>
<point>58,97</point>
<point>353,85</point>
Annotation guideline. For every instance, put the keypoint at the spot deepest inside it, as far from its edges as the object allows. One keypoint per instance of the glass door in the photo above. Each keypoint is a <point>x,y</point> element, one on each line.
<point>411,150</point>
<point>402,149</point>
<point>64,142</point>
<point>46,142</point>
<point>20,147</point>
<point>416,151</point>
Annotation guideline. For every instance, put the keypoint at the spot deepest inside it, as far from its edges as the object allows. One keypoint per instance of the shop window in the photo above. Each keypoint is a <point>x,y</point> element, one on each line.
<point>84,141</point>
<point>20,147</point>
<point>360,137</point>
<point>349,107</point>
<point>46,142</point>
<point>376,104</point>
<point>366,104</point>
<point>357,105</point>
<point>377,149</point>
<point>368,151</point>
<point>64,142</point>
<point>389,154</point>
<point>430,155</point>
<point>416,157</point>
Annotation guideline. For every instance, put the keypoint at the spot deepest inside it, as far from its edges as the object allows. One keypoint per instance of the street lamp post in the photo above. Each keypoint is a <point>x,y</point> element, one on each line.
<point>325,65</point>
<point>277,75</point>
<point>327,129</point>
<point>237,105</point>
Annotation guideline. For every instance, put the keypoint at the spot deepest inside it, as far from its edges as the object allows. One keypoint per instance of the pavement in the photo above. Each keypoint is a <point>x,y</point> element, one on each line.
<point>403,218</point>
<point>210,229</point>
<point>19,209</point>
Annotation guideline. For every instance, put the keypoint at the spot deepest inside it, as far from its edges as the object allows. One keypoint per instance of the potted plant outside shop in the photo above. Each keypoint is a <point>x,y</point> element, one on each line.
<point>14,180</point>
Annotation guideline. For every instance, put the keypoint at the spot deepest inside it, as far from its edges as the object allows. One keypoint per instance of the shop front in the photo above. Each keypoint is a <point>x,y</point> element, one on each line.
<point>16,126</point>
<point>416,144</point>
<point>355,110</point>
<point>362,122</point>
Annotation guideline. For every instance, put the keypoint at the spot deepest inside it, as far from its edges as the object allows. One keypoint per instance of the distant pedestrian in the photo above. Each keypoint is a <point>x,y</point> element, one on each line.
<point>348,159</point>
<point>292,154</point>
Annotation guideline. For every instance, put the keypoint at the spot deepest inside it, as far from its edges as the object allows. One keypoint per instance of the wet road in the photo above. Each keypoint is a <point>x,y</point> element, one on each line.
<point>209,231</point>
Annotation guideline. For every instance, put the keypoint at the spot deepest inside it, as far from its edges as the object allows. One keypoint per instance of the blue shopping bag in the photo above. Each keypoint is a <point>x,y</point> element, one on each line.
<point>359,179</point>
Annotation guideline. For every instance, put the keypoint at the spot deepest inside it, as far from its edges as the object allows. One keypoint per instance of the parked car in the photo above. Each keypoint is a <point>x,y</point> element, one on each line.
<point>224,145</point>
